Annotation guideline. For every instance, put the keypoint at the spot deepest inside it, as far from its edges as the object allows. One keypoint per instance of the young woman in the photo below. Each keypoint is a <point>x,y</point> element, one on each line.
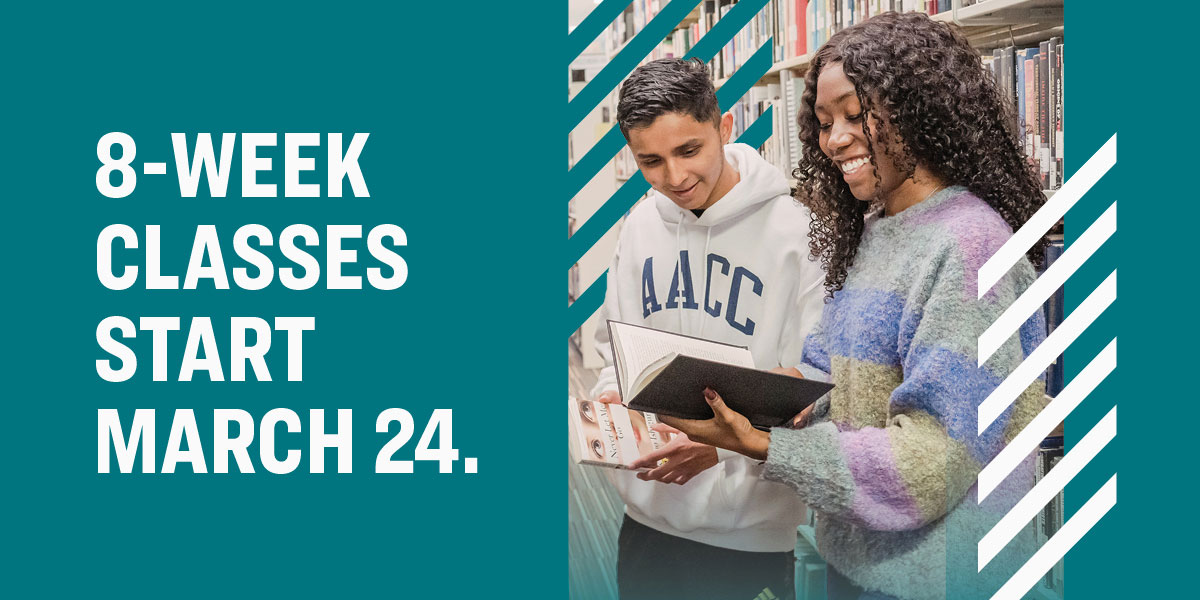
<point>915,177</point>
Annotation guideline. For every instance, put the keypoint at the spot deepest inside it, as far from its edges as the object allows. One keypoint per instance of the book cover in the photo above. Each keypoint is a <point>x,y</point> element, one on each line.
<point>611,435</point>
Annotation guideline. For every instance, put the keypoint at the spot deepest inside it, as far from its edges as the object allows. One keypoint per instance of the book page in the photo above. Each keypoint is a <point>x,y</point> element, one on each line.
<point>638,348</point>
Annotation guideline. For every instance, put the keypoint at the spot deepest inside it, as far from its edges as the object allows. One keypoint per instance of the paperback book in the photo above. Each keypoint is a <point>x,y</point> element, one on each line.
<point>610,435</point>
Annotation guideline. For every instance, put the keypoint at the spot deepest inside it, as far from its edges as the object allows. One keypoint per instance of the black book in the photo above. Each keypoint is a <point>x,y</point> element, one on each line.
<point>666,373</point>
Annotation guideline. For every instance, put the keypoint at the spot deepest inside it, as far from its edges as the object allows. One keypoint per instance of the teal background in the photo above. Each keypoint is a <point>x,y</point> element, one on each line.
<point>460,155</point>
<point>1129,73</point>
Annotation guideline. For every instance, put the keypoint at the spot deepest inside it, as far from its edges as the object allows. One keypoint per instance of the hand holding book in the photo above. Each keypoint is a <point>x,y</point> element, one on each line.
<point>727,429</point>
<point>677,462</point>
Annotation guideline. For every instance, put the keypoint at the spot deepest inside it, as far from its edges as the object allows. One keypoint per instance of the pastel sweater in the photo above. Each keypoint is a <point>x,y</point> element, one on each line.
<point>890,465</point>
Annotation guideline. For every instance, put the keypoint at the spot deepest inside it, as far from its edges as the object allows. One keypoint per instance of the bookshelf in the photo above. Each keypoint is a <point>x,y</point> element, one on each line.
<point>794,29</point>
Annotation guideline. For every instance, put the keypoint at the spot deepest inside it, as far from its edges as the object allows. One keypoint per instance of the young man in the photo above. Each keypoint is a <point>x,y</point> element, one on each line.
<point>719,251</point>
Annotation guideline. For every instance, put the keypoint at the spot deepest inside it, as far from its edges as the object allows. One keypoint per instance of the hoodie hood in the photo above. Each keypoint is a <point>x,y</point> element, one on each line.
<point>758,182</point>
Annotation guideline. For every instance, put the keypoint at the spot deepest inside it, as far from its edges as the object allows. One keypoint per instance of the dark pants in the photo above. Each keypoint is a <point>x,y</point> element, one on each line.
<point>652,565</point>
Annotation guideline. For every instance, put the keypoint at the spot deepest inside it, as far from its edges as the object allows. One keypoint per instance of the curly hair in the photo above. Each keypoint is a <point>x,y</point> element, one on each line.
<point>923,82</point>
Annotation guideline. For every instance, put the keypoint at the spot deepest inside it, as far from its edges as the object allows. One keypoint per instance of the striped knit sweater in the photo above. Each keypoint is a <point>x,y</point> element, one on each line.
<point>890,465</point>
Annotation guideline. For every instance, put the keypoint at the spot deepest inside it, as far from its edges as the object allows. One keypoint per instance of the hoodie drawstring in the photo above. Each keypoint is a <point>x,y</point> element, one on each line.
<point>704,261</point>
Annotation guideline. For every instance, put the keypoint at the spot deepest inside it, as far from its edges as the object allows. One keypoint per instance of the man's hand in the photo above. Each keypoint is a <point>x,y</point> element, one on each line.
<point>727,429</point>
<point>684,459</point>
<point>609,397</point>
<point>789,371</point>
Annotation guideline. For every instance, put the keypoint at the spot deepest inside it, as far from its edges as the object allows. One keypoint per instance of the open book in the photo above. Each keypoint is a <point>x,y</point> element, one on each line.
<point>666,373</point>
<point>610,435</point>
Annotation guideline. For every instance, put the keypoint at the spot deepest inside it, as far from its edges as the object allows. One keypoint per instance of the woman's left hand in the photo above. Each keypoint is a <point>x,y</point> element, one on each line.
<point>727,429</point>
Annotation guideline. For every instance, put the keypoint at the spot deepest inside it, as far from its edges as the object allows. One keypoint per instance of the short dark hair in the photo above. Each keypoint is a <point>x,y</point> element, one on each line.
<point>667,85</point>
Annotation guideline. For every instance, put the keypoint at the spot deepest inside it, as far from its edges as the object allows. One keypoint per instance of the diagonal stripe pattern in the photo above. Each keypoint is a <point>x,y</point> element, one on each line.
<point>1048,215</point>
<point>1036,363</point>
<point>1027,440</point>
<point>1056,548</point>
<point>706,48</point>
<point>1045,490</point>
<point>1045,286</point>
<point>625,60</point>
<point>586,304</point>
<point>592,26</point>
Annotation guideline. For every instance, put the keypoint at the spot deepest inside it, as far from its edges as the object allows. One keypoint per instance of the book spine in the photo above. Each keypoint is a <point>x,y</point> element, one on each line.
<point>1020,94</point>
<point>1058,127</point>
<point>800,14</point>
<point>1030,105</point>
<point>1044,112</point>
<point>1010,78</point>
<point>1054,112</point>
<point>1035,101</point>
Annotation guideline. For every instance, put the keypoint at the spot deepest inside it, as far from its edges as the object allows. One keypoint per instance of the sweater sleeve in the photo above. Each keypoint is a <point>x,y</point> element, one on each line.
<point>921,464</point>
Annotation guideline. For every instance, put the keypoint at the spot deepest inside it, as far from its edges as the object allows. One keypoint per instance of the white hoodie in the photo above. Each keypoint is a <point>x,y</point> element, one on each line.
<point>748,280</point>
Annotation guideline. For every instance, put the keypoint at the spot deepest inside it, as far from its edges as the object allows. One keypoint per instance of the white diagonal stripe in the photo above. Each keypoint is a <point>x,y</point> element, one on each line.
<point>1056,548</point>
<point>1047,215</point>
<point>1051,484</point>
<point>1045,286</point>
<point>1037,361</point>
<point>1031,437</point>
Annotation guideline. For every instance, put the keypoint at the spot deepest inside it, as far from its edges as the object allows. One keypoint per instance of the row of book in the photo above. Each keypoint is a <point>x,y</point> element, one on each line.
<point>1050,519</point>
<point>782,149</point>
<point>630,22</point>
<point>793,27</point>
<point>796,27</point>
<point>1033,78</point>
<point>823,18</point>
<point>780,23</point>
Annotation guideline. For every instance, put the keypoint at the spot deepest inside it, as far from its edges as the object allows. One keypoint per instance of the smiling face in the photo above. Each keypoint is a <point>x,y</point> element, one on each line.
<point>840,119</point>
<point>684,159</point>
